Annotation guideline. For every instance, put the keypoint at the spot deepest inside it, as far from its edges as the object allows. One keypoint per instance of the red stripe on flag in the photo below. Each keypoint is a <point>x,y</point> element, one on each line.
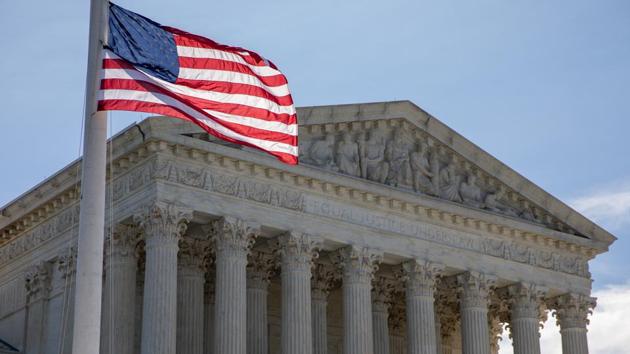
<point>183,38</point>
<point>226,65</point>
<point>235,88</point>
<point>215,86</point>
<point>149,107</point>
<point>198,104</point>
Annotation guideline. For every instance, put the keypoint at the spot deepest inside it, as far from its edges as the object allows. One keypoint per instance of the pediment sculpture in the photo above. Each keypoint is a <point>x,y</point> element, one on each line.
<point>401,156</point>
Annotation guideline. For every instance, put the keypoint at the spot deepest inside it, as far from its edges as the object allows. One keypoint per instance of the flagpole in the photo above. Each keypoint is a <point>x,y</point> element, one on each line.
<point>89,278</point>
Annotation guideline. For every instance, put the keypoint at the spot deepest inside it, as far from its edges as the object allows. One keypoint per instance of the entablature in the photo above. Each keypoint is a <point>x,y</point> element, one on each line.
<point>136,146</point>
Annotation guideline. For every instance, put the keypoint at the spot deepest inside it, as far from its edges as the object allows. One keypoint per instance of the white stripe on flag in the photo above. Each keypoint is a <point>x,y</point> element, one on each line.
<point>153,97</point>
<point>195,52</point>
<point>245,100</point>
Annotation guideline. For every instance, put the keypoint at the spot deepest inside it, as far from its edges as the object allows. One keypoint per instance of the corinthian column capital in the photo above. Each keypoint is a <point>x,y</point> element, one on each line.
<point>324,277</point>
<point>382,292</point>
<point>193,253</point>
<point>572,310</point>
<point>357,263</point>
<point>420,276</point>
<point>121,241</point>
<point>260,266</point>
<point>525,300</point>
<point>474,289</point>
<point>162,223</point>
<point>296,250</point>
<point>233,236</point>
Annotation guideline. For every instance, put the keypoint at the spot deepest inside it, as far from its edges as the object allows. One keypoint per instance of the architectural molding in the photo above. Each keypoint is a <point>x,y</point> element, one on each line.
<point>38,281</point>
<point>162,222</point>
<point>233,235</point>
<point>572,310</point>
<point>358,264</point>
<point>475,289</point>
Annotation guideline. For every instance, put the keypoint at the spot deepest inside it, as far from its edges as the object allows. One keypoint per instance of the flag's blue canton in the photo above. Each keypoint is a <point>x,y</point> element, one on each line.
<point>143,43</point>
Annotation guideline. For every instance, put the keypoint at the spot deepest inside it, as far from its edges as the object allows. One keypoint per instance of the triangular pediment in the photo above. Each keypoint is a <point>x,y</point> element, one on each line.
<point>400,145</point>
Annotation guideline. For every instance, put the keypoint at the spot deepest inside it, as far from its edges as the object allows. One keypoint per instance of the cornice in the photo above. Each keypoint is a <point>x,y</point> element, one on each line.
<point>358,114</point>
<point>134,148</point>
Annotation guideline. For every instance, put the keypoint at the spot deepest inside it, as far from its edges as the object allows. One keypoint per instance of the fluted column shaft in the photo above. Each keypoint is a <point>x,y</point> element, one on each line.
<point>381,329</point>
<point>381,300</point>
<point>525,302</point>
<point>38,287</point>
<point>321,283</point>
<point>420,288</point>
<point>474,294</point>
<point>233,238</point>
<point>296,252</point>
<point>397,344</point>
<point>258,273</point>
<point>119,291</point>
<point>397,327</point>
<point>257,342</point>
<point>163,226</point>
<point>572,312</point>
<point>319,305</point>
<point>208,326</point>
<point>358,266</point>
<point>438,331</point>
<point>190,295</point>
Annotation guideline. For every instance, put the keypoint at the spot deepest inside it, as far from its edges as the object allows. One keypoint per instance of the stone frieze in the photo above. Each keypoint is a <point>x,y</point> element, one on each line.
<point>397,154</point>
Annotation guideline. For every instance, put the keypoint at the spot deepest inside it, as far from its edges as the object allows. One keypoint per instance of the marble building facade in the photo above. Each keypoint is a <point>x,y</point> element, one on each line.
<point>394,235</point>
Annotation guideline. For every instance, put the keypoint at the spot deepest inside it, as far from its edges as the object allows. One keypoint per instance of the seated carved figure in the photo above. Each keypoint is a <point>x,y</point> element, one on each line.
<point>373,164</point>
<point>449,183</point>
<point>348,155</point>
<point>321,152</point>
<point>470,192</point>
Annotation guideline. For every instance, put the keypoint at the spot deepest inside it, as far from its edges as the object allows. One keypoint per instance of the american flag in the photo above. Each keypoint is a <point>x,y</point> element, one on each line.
<point>232,93</point>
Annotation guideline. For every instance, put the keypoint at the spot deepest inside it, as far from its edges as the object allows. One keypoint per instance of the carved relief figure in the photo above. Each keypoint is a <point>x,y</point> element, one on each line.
<point>373,164</point>
<point>449,183</point>
<point>470,192</point>
<point>321,152</point>
<point>397,153</point>
<point>348,155</point>
<point>493,202</point>
<point>421,169</point>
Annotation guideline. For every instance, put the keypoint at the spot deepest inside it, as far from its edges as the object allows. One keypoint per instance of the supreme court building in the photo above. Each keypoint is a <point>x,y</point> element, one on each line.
<point>394,235</point>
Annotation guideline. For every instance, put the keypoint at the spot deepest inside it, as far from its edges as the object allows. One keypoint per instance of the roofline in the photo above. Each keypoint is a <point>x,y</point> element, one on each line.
<point>453,139</point>
<point>409,110</point>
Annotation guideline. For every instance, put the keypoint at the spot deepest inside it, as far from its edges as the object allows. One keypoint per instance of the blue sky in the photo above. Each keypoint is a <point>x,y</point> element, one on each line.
<point>542,85</point>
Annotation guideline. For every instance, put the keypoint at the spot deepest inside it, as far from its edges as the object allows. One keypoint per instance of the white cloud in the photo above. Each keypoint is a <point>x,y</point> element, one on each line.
<point>609,206</point>
<point>608,332</point>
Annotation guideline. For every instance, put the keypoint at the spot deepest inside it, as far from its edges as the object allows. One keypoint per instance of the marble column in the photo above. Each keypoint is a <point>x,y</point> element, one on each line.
<point>297,251</point>
<point>233,240</point>
<point>324,276</point>
<point>420,279</point>
<point>382,290</point>
<point>438,331</point>
<point>474,289</point>
<point>358,266</point>
<point>447,314</point>
<point>38,287</point>
<point>397,327</point>
<point>208,306</point>
<point>571,311</point>
<point>193,249</point>
<point>163,225</point>
<point>119,290</point>
<point>259,268</point>
<point>525,301</point>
